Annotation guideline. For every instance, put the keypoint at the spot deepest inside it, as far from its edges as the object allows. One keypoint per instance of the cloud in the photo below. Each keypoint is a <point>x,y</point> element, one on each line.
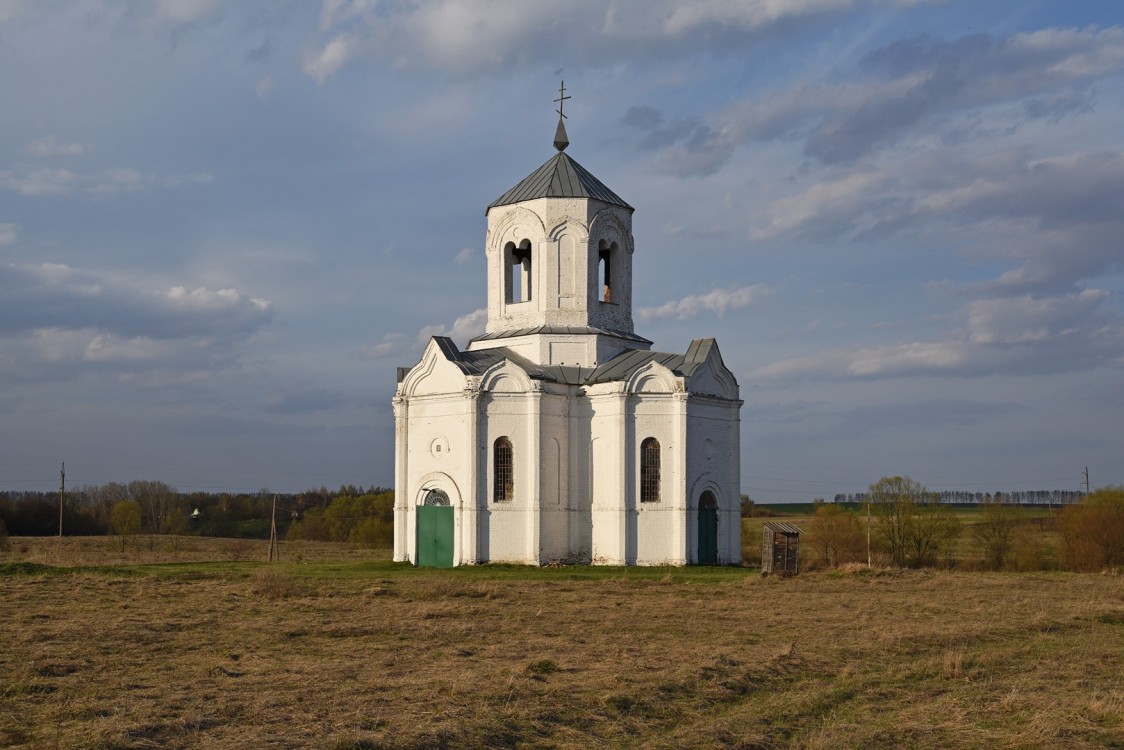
<point>719,302</point>
<point>51,146</point>
<point>1057,220</point>
<point>1017,336</point>
<point>303,400</point>
<point>42,182</point>
<point>9,233</point>
<point>324,62</point>
<point>467,255</point>
<point>464,328</point>
<point>471,37</point>
<point>105,309</point>
<point>11,9</point>
<point>173,13</point>
<point>903,90</point>
<point>264,87</point>
<point>391,344</point>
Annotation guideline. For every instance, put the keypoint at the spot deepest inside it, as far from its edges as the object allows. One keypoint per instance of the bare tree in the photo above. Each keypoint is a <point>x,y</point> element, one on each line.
<point>911,521</point>
<point>156,501</point>
<point>995,532</point>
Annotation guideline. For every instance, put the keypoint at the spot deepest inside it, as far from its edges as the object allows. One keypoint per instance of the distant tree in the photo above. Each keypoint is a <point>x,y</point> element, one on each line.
<point>125,519</point>
<point>104,497</point>
<point>156,501</point>
<point>836,535</point>
<point>747,506</point>
<point>910,520</point>
<point>1092,532</point>
<point>995,532</point>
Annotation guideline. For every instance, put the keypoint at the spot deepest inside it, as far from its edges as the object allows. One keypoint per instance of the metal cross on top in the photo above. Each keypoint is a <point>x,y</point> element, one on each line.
<point>561,100</point>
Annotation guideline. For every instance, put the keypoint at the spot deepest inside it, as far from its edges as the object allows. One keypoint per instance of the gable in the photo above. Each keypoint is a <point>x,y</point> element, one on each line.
<point>653,377</point>
<point>434,374</point>
<point>711,377</point>
<point>506,377</point>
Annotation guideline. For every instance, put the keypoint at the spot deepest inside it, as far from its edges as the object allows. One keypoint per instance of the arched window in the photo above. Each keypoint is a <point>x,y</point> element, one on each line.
<point>606,259</point>
<point>517,272</point>
<point>503,471</point>
<point>650,471</point>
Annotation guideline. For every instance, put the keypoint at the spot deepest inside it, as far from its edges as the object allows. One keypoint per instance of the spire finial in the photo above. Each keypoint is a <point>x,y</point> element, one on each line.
<point>561,140</point>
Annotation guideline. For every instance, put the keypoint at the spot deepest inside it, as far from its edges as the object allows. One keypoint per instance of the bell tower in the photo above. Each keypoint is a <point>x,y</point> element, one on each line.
<point>559,249</point>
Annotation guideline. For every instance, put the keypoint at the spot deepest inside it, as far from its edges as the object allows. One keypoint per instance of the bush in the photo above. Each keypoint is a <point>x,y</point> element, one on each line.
<point>5,544</point>
<point>836,536</point>
<point>1092,533</point>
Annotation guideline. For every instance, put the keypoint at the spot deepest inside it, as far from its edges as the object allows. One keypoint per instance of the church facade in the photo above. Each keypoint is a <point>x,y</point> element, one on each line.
<point>558,435</point>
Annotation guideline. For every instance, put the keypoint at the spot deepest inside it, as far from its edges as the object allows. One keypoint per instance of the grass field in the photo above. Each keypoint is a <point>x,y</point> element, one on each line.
<point>332,652</point>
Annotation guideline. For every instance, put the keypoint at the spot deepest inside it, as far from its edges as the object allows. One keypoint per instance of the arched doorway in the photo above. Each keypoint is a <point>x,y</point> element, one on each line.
<point>708,529</point>
<point>435,530</point>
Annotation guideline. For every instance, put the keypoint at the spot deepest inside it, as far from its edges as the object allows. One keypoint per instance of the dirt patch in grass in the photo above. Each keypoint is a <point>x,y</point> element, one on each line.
<point>380,656</point>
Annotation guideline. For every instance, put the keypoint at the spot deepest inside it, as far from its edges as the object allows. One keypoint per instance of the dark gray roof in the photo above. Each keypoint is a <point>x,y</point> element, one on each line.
<point>623,365</point>
<point>619,368</point>
<point>560,177</point>
<point>560,329</point>
<point>782,527</point>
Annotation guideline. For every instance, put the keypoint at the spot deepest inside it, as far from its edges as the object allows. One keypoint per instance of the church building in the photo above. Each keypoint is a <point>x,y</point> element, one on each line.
<point>558,435</point>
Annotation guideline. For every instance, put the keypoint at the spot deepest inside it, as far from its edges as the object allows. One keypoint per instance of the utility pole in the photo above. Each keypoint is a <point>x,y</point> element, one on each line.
<point>1086,480</point>
<point>868,560</point>
<point>274,547</point>
<point>62,493</point>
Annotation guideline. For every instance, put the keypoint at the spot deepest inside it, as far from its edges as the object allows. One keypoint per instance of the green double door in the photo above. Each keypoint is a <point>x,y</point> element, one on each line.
<point>435,536</point>
<point>708,536</point>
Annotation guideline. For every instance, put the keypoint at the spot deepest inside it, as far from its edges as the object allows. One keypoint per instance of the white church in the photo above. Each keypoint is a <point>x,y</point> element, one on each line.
<point>558,435</point>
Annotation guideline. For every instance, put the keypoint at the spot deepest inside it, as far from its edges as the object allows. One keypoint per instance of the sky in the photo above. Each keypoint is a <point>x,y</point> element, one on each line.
<point>224,224</point>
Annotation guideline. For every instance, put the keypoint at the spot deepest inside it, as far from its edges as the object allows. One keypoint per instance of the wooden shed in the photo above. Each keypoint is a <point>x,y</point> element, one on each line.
<point>780,548</point>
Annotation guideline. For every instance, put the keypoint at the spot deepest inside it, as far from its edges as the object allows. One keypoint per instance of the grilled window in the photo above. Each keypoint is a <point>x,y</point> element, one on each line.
<point>503,471</point>
<point>650,471</point>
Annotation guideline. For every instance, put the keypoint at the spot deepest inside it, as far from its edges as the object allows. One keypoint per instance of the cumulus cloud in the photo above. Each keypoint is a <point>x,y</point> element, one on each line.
<point>55,313</point>
<point>464,328</point>
<point>1017,336</point>
<point>465,256</point>
<point>467,37</point>
<point>907,88</point>
<point>718,302</point>
<point>51,146</point>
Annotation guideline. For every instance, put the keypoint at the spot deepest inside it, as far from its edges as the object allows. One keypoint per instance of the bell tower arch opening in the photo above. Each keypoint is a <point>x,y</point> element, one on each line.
<point>608,260</point>
<point>517,272</point>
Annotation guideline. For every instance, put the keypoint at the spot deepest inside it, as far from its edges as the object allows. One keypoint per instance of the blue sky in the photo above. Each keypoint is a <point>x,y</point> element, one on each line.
<point>224,224</point>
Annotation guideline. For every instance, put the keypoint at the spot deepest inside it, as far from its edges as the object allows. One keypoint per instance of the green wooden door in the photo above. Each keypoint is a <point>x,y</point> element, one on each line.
<point>708,536</point>
<point>435,536</point>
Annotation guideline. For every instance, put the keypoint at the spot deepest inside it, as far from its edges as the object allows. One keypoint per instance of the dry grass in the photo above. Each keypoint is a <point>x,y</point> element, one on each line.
<point>155,550</point>
<point>374,655</point>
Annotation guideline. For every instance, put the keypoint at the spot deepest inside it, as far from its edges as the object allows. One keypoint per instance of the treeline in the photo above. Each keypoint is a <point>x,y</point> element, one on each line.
<point>909,527</point>
<point>1020,497</point>
<point>366,520</point>
<point>159,508</point>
